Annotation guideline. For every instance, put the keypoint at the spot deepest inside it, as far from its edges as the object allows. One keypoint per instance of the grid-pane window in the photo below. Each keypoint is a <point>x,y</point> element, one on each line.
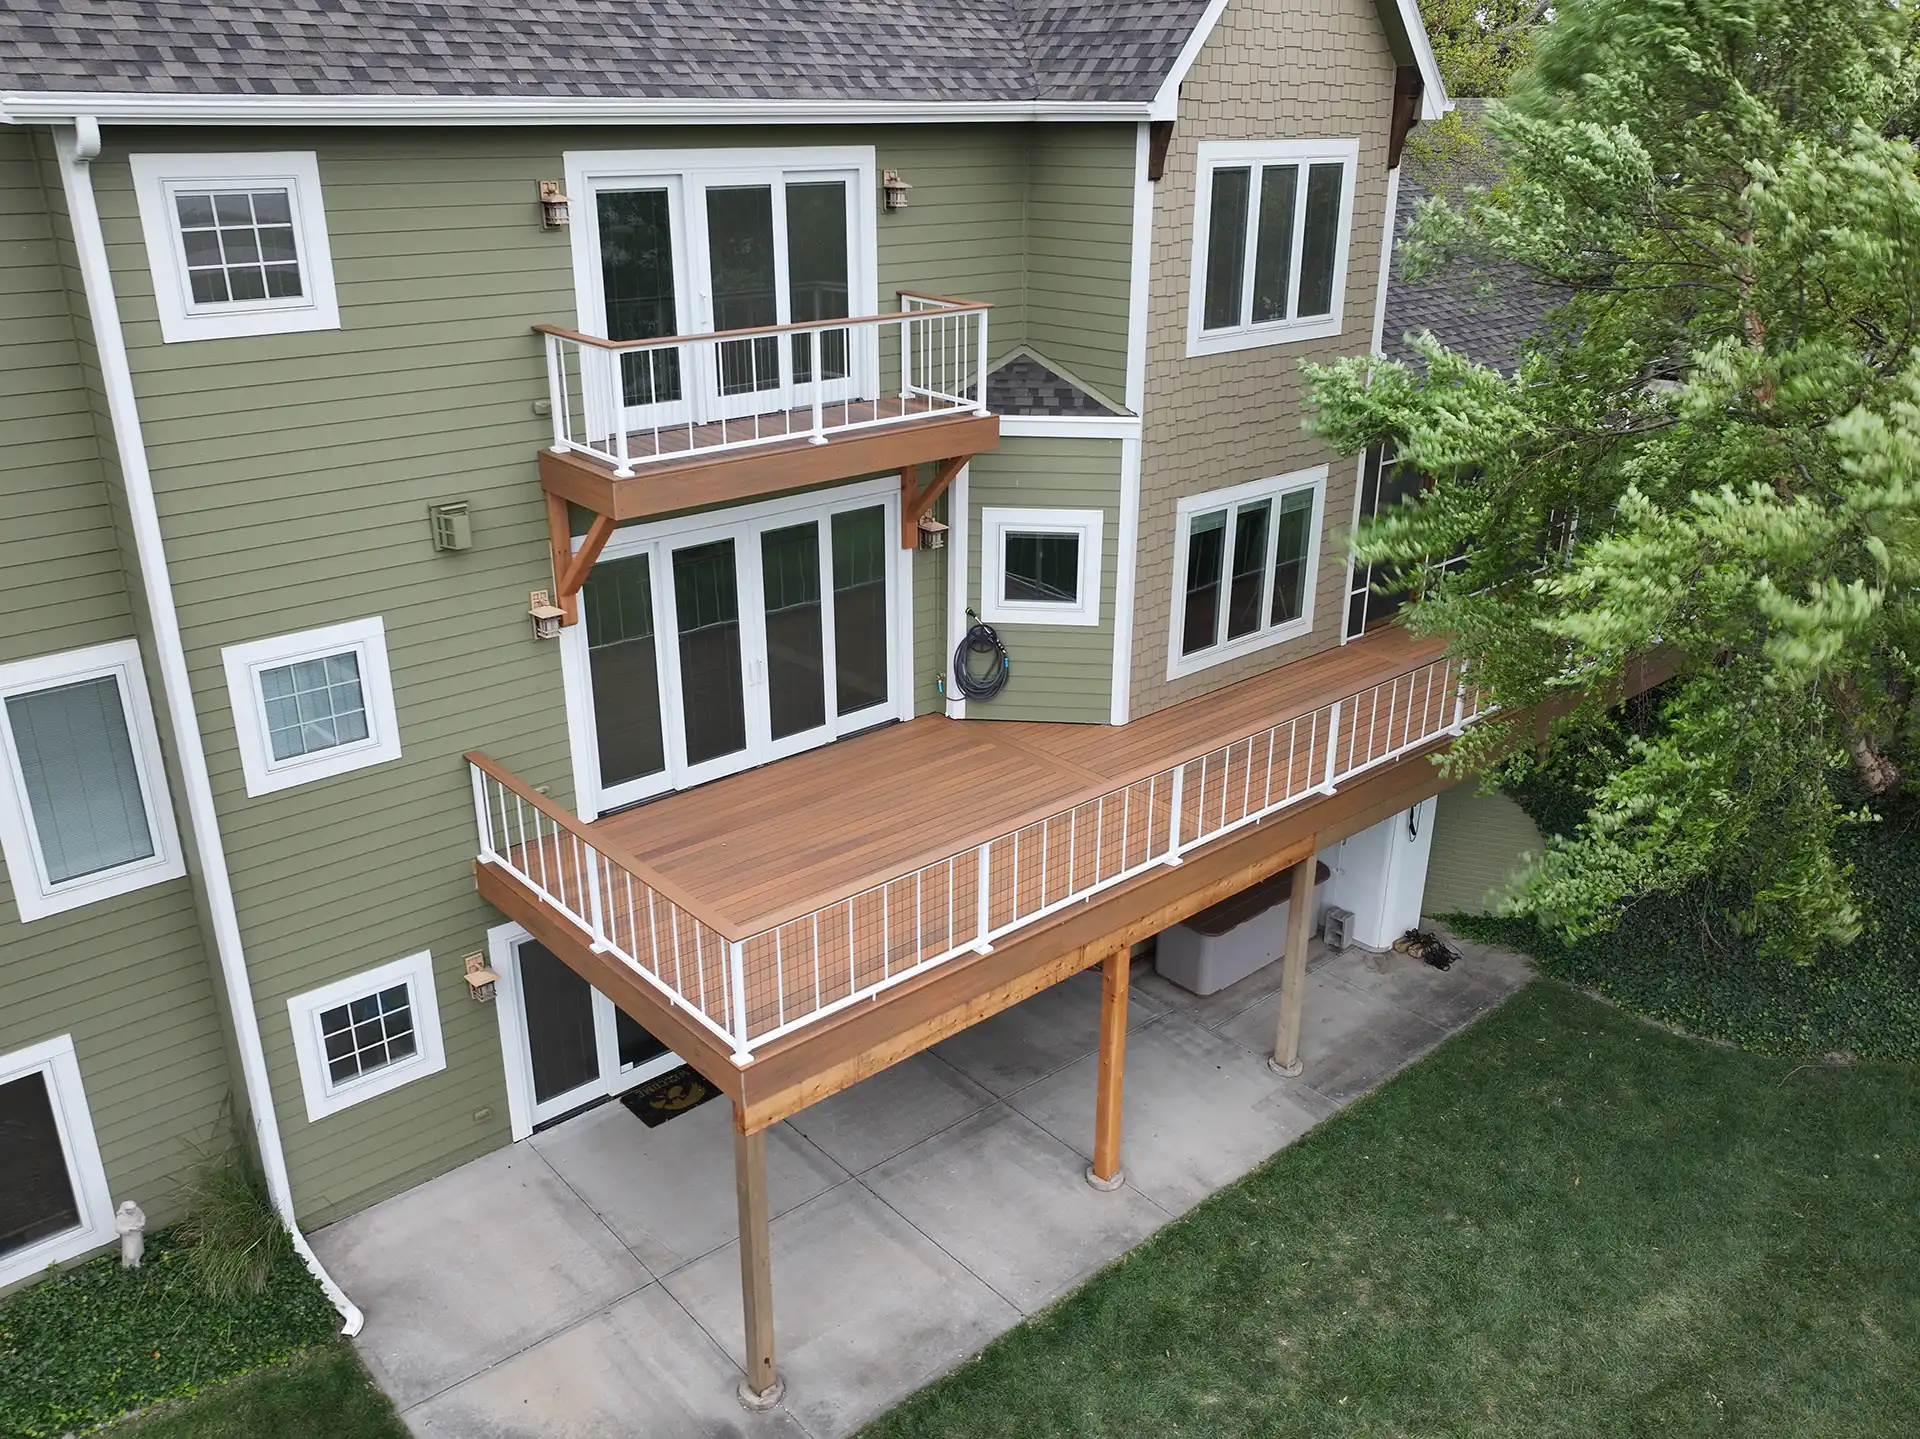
<point>314,705</point>
<point>1247,569</point>
<point>239,245</point>
<point>367,1034</point>
<point>1275,221</point>
<point>83,790</point>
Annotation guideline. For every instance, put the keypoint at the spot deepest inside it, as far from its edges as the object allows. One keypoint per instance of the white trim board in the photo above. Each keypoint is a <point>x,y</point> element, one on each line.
<point>92,1199</point>
<point>998,521</point>
<point>1126,564</point>
<point>1070,427</point>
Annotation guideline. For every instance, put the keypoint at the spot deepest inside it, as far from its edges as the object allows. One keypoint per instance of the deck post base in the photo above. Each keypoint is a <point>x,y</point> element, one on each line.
<point>1286,1071</point>
<point>1106,1186</point>
<point>759,1401</point>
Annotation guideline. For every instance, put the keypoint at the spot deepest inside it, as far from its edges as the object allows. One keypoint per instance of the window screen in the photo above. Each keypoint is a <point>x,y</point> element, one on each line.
<point>36,1197</point>
<point>314,705</point>
<point>239,245</point>
<point>82,785</point>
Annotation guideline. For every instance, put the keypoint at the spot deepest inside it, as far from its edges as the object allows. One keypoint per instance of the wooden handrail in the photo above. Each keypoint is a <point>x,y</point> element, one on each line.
<point>844,322</point>
<point>583,831</point>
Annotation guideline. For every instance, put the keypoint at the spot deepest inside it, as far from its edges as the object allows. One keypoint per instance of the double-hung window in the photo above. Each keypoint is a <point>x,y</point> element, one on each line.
<point>1040,566</point>
<point>314,704</point>
<point>54,1202</point>
<point>367,1035</point>
<point>237,244</point>
<point>84,809</point>
<point>1271,223</point>
<point>1244,563</point>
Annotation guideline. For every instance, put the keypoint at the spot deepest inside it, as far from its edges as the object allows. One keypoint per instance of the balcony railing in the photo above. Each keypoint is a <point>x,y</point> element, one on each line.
<point>749,989</point>
<point>632,403</point>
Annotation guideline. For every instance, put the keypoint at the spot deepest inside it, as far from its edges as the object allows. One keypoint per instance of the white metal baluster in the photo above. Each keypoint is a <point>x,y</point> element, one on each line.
<point>906,363</point>
<point>779,976</point>
<point>1073,841</point>
<point>1333,741</point>
<point>557,393</point>
<point>741,1054</point>
<point>950,882</point>
<point>886,931</point>
<point>819,371</point>
<point>919,923</point>
<point>853,968</point>
<point>981,942</point>
<point>653,937</point>
<point>816,959</point>
<point>1173,827</point>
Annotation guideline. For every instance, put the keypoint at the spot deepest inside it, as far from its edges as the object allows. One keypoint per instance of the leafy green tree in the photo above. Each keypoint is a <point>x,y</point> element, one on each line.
<point>1711,454</point>
<point>1480,44</point>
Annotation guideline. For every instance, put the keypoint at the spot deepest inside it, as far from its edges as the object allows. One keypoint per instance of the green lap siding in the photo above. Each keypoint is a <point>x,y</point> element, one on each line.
<point>1080,247</point>
<point>1480,844</point>
<point>126,977</point>
<point>1058,672</point>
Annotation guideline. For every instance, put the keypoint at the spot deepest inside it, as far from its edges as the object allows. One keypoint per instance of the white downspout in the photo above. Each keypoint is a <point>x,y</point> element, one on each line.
<point>76,150</point>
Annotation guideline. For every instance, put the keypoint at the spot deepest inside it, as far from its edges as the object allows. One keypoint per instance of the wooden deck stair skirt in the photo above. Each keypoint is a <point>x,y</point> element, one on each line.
<point>760,906</point>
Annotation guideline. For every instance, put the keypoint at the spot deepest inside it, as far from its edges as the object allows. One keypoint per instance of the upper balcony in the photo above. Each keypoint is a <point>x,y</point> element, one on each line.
<point>755,914</point>
<point>655,426</point>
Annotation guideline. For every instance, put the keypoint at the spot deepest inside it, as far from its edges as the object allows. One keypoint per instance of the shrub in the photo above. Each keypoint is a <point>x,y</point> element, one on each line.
<point>234,1236</point>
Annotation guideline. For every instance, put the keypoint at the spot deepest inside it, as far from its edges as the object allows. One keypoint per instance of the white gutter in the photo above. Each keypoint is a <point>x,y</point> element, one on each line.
<point>22,107</point>
<point>76,149</point>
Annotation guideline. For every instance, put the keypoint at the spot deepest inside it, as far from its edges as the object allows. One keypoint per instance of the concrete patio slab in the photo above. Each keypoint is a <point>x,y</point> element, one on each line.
<point>1451,997</point>
<point>866,1308</point>
<point>1007,1200</point>
<point>641,1366</point>
<point>1213,1010</point>
<point>472,1267</point>
<point>890,1112</point>
<point>1039,1035</point>
<point>668,1192</point>
<point>1350,1040</point>
<point>1200,1110</point>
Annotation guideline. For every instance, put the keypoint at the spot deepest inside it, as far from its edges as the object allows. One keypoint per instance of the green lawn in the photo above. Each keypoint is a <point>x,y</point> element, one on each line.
<point>1565,1222</point>
<point>322,1394</point>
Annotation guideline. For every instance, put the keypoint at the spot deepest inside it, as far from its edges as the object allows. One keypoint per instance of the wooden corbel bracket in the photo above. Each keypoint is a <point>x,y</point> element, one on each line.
<point>571,567</point>
<point>916,503</point>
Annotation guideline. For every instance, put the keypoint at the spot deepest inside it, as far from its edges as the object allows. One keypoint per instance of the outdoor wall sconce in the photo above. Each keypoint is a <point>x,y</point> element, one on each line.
<point>481,981</point>
<point>545,614</point>
<point>553,206</point>
<point>893,190</point>
<point>933,534</point>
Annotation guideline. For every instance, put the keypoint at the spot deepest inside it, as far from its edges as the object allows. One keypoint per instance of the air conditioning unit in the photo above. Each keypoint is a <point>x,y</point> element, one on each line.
<point>1338,925</point>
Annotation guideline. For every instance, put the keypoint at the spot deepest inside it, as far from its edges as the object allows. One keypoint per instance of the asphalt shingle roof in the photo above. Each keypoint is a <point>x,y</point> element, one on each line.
<point>1483,310</point>
<point>1024,385</point>
<point>899,50</point>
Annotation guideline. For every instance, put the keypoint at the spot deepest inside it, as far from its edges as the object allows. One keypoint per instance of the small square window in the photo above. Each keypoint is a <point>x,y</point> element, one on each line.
<point>1271,224</point>
<point>84,809</point>
<point>237,244</point>
<point>311,705</point>
<point>1245,564</point>
<point>367,1035</point>
<point>1041,566</point>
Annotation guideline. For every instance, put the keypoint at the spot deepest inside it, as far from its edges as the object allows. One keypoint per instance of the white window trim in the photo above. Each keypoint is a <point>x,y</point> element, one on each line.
<point>264,774</point>
<point>997,523</point>
<point>156,178</point>
<point>1216,153</point>
<point>34,894</point>
<point>1261,639</point>
<point>323,1096</point>
<point>55,1058</point>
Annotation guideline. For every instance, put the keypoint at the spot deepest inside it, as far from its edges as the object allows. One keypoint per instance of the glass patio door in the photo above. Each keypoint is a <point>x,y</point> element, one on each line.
<point>644,297</point>
<point>579,1046</point>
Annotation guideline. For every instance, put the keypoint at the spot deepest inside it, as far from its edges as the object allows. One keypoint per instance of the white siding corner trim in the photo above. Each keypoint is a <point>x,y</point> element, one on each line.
<point>55,1061</point>
<point>327,1095</point>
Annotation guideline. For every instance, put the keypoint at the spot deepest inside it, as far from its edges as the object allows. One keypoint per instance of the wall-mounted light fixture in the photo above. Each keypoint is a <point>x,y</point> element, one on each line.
<point>933,534</point>
<point>545,614</point>
<point>893,190</point>
<point>554,209</point>
<point>481,981</point>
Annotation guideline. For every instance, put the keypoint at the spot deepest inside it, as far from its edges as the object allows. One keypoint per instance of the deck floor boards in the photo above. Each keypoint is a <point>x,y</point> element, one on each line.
<point>804,831</point>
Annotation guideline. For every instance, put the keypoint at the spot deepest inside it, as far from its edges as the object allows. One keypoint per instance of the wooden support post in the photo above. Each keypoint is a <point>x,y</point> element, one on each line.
<point>1115,974</point>
<point>1293,973</point>
<point>761,1387</point>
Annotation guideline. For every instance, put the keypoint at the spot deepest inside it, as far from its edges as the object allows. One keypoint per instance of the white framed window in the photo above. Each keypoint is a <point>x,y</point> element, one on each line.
<point>1040,567</point>
<point>1270,228</point>
<point>313,704</point>
<point>1243,565</point>
<point>84,808</point>
<point>237,244</point>
<point>54,1202</point>
<point>367,1035</point>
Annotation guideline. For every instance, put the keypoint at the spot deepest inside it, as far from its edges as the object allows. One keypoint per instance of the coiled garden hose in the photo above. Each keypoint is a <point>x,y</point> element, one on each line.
<point>980,640</point>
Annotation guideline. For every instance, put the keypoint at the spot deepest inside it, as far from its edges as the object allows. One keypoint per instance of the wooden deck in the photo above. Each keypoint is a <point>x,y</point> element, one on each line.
<point>760,847</point>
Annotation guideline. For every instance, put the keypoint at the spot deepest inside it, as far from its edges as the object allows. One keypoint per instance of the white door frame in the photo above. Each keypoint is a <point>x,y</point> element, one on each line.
<point>742,523</point>
<point>516,1055</point>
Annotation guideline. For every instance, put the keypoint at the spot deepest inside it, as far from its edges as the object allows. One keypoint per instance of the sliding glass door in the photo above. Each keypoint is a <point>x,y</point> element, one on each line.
<point>722,642</point>
<point>577,1046</point>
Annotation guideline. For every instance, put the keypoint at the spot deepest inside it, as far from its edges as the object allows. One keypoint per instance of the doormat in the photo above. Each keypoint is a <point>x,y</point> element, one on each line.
<point>666,1095</point>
